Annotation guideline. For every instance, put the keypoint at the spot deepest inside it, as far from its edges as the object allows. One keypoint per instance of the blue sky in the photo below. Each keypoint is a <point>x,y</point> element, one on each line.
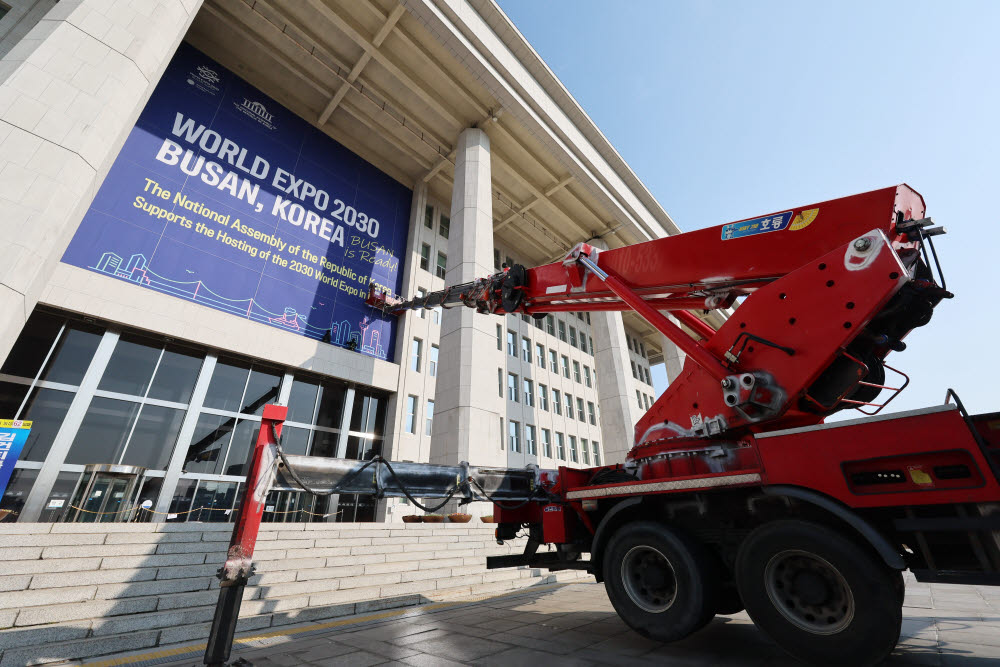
<point>728,109</point>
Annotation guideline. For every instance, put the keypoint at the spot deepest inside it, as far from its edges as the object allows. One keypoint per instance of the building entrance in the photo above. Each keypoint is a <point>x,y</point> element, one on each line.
<point>106,494</point>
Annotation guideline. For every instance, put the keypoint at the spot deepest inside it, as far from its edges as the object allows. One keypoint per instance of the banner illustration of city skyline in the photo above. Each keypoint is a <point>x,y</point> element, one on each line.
<point>224,198</point>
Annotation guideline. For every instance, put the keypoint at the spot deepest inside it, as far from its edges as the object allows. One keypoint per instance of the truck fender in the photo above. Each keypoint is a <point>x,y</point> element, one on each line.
<point>877,541</point>
<point>603,534</point>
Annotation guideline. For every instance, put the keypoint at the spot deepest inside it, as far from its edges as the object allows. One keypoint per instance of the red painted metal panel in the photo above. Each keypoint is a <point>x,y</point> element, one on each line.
<point>815,458</point>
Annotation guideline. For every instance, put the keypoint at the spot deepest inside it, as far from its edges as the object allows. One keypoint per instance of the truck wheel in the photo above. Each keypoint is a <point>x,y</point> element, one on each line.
<point>661,582</point>
<point>819,595</point>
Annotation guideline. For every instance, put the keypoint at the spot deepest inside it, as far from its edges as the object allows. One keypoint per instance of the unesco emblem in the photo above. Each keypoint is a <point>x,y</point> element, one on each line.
<point>204,79</point>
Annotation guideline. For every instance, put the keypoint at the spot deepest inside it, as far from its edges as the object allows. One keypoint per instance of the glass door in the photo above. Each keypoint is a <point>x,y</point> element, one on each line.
<point>105,494</point>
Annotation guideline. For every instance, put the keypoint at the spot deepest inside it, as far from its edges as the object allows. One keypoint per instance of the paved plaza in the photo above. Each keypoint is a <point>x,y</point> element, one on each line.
<point>574,624</point>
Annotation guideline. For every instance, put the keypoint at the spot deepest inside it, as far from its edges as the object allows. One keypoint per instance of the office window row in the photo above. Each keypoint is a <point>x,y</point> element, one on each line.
<point>412,417</point>
<point>522,390</point>
<point>580,449</point>
<point>440,267</point>
<point>644,400</point>
<point>636,345</point>
<point>558,363</point>
<point>417,357</point>
<point>641,373</point>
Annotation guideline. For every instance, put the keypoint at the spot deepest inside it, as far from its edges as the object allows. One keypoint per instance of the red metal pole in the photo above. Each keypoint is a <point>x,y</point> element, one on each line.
<point>695,323</point>
<point>691,348</point>
<point>238,567</point>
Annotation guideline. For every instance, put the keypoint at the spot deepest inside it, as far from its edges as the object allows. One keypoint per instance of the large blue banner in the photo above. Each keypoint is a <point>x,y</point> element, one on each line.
<point>12,437</point>
<point>223,197</point>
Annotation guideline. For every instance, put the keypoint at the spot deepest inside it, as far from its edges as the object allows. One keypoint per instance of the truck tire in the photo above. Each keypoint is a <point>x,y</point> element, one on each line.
<point>661,582</point>
<point>819,595</point>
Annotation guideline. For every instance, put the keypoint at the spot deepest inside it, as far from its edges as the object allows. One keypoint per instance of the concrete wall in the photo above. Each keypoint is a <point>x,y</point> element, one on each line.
<point>69,591</point>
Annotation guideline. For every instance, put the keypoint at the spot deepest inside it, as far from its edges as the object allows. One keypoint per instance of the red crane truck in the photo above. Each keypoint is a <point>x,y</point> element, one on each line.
<point>736,494</point>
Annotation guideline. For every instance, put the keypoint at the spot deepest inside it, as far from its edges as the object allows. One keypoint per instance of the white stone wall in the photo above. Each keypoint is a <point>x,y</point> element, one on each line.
<point>71,591</point>
<point>70,92</point>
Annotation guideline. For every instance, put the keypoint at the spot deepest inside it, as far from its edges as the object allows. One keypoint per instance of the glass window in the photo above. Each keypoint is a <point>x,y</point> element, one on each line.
<point>61,490</point>
<point>543,397</point>
<point>32,346</point>
<point>425,257</point>
<point>46,408</point>
<point>579,409</point>
<point>429,217</point>
<point>244,438</point>
<point>176,375</point>
<point>538,323</point>
<point>552,362</point>
<point>416,350</point>
<point>633,370</point>
<point>368,415</point>
<point>421,293</point>
<point>363,447</point>
<point>642,349</point>
<point>225,391</point>
<point>180,503</point>
<point>583,341</point>
<point>102,436</point>
<point>540,354</point>
<point>529,395</point>
<point>511,387</point>
<point>597,452</point>
<point>499,337</point>
<point>547,442</point>
<point>529,440</point>
<point>324,444</point>
<point>73,354</point>
<point>525,350</point>
<point>213,502</point>
<point>330,406</point>
<point>562,331</point>
<point>573,456</point>
<point>591,414</point>
<point>429,418</point>
<point>444,226</point>
<point>209,444</point>
<point>572,336</point>
<point>302,400</point>
<point>569,406</point>
<point>560,447</point>
<point>411,414</point>
<point>585,451</point>
<point>500,381</point>
<point>262,388</point>
<point>131,366</point>
<point>153,438</point>
<point>294,440</point>
<point>433,366</point>
<point>576,370</point>
<point>638,397</point>
<point>511,343</point>
<point>565,365</point>
<point>501,435</point>
<point>586,375</point>
<point>11,396</point>
<point>550,325</point>
<point>437,314</point>
<point>496,259</point>
<point>513,435</point>
<point>442,265</point>
<point>18,486</point>
<point>556,402</point>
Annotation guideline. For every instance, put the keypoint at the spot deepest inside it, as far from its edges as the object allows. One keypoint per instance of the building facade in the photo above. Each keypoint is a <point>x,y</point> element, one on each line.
<point>198,195</point>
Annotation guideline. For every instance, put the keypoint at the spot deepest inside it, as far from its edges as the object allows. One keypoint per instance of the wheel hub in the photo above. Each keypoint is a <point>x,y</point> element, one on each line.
<point>649,579</point>
<point>809,592</point>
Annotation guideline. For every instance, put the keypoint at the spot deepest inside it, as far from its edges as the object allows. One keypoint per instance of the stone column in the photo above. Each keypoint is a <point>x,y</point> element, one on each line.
<point>468,409</point>
<point>673,356</point>
<point>615,384</point>
<point>70,92</point>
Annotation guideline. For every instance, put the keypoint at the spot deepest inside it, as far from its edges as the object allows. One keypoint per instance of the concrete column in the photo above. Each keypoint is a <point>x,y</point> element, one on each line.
<point>468,410</point>
<point>673,356</point>
<point>70,92</point>
<point>615,384</point>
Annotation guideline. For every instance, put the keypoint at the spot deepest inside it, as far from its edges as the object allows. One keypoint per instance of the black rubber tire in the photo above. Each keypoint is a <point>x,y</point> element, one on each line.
<point>868,634</point>
<point>694,575</point>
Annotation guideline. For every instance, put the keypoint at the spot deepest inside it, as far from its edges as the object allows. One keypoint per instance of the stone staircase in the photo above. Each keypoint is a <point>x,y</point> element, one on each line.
<point>72,591</point>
